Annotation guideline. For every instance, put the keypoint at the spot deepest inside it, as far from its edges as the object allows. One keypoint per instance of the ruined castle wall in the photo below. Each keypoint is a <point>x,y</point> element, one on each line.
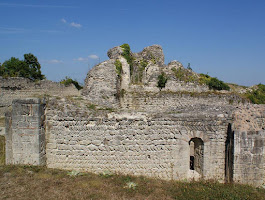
<point>25,135</point>
<point>180,101</point>
<point>133,143</point>
<point>17,87</point>
<point>249,157</point>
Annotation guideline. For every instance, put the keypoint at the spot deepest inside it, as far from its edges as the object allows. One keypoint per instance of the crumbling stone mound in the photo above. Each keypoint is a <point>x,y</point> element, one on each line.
<point>115,52</point>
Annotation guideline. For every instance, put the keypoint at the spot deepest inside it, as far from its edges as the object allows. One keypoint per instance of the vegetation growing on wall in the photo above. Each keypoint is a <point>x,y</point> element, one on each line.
<point>68,81</point>
<point>127,55</point>
<point>185,75</point>
<point>213,83</point>
<point>162,80</point>
<point>27,68</point>
<point>257,96</point>
<point>118,67</point>
<point>2,150</point>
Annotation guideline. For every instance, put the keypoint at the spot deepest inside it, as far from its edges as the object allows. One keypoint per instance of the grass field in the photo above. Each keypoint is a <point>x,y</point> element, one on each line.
<point>27,182</point>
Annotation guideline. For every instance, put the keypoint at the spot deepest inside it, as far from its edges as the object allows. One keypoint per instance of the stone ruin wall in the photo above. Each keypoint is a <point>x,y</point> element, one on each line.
<point>17,87</point>
<point>180,102</point>
<point>155,145</point>
<point>133,143</point>
<point>249,157</point>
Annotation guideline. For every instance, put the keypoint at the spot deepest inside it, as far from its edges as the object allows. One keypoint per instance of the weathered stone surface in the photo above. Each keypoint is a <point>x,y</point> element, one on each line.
<point>115,52</point>
<point>25,135</point>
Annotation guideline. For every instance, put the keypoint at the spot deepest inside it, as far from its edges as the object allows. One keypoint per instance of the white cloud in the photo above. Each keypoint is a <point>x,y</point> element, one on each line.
<point>63,20</point>
<point>92,56</point>
<point>84,59</point>
<point>73,24</point>
<point>80,59</point>
<point>53,61</point>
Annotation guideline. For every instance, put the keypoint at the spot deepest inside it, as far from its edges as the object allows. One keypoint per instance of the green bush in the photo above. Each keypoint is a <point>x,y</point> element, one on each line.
<point>216,84</point>
<point>257,96</point>
<point>68,81</point>
<point>213,83</point>
<point>27,68</point>
<point>162,80</point>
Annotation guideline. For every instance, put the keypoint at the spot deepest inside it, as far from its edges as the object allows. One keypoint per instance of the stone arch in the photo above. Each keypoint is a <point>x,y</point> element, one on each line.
<point>196,155</point>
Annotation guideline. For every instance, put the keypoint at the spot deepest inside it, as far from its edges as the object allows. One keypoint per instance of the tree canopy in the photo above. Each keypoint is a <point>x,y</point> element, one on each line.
<point>27,68</point>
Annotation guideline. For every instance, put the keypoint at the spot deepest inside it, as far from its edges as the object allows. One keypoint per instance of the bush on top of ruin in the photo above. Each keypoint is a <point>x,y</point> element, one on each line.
<point>67,81</point>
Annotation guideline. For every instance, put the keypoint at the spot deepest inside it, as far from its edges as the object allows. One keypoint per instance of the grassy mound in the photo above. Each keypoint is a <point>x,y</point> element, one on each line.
<point>27,182</point>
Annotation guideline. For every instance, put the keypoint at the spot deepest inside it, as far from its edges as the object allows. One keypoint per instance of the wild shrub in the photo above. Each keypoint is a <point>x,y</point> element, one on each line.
<point>162,80</point>
<point>257,96</point>
<point>68,81</point>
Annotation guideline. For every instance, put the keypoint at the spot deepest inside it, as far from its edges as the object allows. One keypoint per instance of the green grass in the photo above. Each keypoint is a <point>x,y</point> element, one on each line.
<point>27,182</point>
<point>2,150</point>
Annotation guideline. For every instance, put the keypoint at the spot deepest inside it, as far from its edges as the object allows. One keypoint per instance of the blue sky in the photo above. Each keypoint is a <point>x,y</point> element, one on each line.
<point>224,38</point>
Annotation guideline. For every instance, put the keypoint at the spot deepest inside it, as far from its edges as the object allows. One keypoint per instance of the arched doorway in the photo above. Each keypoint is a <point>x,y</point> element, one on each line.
<point>196,155</point>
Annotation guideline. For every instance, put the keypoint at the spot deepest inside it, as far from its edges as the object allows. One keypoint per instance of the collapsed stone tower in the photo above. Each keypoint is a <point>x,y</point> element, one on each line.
<point>138,116</point>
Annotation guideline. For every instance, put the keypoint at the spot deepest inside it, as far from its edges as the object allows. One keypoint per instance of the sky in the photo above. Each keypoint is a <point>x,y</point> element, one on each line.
<point>224,38</point>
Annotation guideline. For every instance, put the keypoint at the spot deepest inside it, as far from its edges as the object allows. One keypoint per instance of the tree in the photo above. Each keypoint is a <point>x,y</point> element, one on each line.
<point>34,66</point>
<point>27,68</point>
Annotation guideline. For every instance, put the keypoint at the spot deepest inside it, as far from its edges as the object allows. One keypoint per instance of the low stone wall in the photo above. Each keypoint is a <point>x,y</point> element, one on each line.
<point>17,87</point>
<point>249,157</point>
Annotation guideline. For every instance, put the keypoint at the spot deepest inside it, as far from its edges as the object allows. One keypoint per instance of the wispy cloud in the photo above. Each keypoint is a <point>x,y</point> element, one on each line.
<point>80,59</point>
<point>94,57</point>
<point>85,59</point>
<point>50,31</point>
<point>73,24</point>
<point>34,5</point>
<point>53,61</point>
<point>11,30</point>
<point>63,20</point>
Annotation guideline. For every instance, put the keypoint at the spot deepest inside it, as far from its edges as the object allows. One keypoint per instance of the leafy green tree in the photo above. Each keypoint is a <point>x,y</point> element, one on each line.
<point>33,66</point>
<point>27,68</point>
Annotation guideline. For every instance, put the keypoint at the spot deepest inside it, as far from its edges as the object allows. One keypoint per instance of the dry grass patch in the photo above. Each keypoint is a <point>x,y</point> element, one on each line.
<point>27,182</point>
<point>2,121</point>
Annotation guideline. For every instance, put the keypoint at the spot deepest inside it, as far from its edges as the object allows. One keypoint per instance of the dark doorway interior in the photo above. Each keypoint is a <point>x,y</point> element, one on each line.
<point>229,155</point>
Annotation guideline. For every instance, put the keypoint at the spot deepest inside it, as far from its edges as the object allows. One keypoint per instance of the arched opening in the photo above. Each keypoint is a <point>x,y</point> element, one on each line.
<point>196,155</point>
